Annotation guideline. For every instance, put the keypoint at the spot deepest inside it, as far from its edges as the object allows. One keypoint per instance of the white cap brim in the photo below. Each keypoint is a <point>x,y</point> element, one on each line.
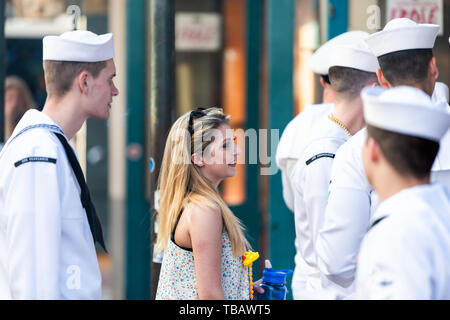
<point>346,56</point>
<point>405,110</point>
<point>320,60</point>
<point>71,47</point>
<point>421,36</point>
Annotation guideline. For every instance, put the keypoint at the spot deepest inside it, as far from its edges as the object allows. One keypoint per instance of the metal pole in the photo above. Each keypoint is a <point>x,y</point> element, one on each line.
<point>254,24</point>
<point>2,71</point>
<point>162,96</point>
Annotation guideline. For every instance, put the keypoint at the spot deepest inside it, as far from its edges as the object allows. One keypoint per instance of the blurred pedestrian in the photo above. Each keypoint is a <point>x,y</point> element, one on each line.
<point>18,100</point>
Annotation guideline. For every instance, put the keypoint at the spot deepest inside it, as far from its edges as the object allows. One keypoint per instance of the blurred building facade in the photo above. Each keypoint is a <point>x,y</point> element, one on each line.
<point>248,56</point>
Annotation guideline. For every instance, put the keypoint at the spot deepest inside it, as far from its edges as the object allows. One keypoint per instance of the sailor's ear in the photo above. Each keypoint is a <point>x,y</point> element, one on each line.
<point>82,81</point>
<point>323,83</point>
<point>382,80</point>
<point>433,70</point>
<point>374,150</point>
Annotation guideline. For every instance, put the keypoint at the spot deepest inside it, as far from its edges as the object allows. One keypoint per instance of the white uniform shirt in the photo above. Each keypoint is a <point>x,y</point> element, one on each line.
<point>311,178</point>
<point>347,216</point>
<point>46,246</point>
<point>288,152</point>
<point>294,135</point>
<point>406,255</point>
<point>351,204</point>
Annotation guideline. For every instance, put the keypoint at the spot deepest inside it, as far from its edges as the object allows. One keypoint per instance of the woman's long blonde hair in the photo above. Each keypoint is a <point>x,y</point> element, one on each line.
<point>181,182</point>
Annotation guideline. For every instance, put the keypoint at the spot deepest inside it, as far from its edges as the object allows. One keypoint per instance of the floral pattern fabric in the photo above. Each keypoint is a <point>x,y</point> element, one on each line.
<point>177,279</point>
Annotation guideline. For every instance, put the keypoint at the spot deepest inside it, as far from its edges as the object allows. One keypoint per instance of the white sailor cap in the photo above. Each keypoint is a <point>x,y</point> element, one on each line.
<point>319,62</point>
<point>405,110</point>
<point>402,34</point>
<point>356,55</point>
<point>78,46</point>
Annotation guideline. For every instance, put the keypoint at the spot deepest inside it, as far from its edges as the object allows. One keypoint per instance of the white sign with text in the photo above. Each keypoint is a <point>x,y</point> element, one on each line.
<point>420,11</point>
<point>197,32</point>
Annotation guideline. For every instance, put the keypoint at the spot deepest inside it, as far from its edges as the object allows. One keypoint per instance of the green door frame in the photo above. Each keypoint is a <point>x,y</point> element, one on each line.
<point>138,245</point>
<point>337,17</point>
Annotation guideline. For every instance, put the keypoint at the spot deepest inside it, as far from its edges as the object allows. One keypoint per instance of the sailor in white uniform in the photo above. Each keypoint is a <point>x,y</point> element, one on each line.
<point>352,67</point>
<point>296,131</point>
<point>48,223</point>
<point>406,252</point>
<point>287,154</point>
<point>404,52</point>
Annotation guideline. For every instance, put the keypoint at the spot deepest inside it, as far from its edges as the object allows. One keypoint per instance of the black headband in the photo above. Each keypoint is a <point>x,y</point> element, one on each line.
<point>198,113</point>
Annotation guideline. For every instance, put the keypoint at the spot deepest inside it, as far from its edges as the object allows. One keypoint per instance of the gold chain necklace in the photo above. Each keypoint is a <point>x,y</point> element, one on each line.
<point>333,118</point>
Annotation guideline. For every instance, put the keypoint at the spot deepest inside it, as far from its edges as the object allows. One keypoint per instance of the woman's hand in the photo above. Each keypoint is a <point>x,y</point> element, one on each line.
<point>257,287</point>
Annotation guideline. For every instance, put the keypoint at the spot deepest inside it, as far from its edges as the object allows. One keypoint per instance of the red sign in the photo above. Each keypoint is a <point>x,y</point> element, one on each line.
<point>420,11</point>
<point>197,32</point>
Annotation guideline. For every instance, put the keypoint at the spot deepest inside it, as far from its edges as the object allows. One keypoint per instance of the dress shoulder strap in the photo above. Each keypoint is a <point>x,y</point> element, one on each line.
<point>173,232</point>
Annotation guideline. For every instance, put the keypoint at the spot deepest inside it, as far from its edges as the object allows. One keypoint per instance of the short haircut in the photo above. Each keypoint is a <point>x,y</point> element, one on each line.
<point>350,81</point>
<point>408,155</point>
<point>59,75</point>
<point>406,67</point>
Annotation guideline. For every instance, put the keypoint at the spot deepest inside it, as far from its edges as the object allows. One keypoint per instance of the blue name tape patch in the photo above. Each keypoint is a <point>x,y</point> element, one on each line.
<point>34,159</point>
<point>318,156</point>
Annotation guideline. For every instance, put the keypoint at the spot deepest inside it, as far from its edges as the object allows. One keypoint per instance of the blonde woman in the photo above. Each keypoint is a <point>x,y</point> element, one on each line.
<point>203,241</point>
